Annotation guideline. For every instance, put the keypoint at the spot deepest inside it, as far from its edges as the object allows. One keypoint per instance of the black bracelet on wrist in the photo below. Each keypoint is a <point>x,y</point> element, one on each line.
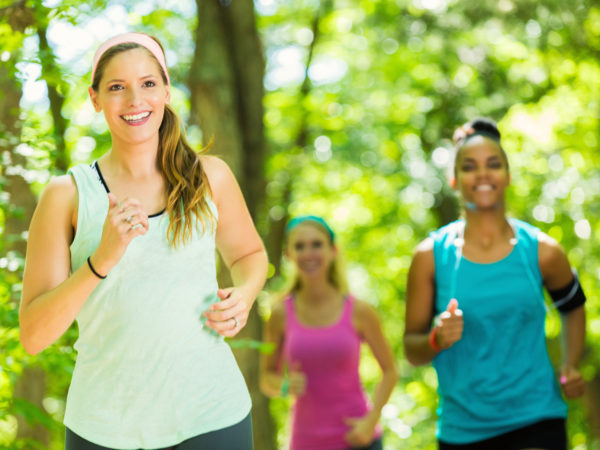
<point>102,277</point>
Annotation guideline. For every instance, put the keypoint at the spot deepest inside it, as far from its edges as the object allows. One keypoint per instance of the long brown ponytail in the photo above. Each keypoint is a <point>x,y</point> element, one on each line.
<point>188,189</point>
<point>187,184</point>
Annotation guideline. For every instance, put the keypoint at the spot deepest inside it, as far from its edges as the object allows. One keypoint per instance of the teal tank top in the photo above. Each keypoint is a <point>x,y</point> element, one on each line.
<point>498,377</point>
<point>148,374</point>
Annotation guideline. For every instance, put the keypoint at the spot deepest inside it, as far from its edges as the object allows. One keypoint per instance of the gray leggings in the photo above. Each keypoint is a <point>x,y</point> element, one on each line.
<point>238,436</point>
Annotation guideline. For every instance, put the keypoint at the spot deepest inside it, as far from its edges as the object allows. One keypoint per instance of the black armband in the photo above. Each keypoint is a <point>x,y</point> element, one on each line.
<point>568,298</point>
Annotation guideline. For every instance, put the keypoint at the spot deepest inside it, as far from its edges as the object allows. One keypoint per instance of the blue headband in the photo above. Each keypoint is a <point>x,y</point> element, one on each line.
<point>301,219</point>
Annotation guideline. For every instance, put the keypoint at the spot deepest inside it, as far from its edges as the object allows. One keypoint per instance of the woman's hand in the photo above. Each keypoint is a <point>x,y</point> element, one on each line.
<point>230,315</point>
<point>571,382</point>
<point>361,430</point>
<point>450,326</point>
<point>124,221</point>
<point>297,378</point>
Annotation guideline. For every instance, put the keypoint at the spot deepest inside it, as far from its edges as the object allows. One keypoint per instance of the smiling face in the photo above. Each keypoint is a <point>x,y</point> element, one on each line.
<point>132,94</point>
<point>310,249</point>
<point>481,174</point>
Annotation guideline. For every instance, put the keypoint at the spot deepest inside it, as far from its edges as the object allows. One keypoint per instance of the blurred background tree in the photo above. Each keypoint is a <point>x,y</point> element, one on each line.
<point>343,108</point>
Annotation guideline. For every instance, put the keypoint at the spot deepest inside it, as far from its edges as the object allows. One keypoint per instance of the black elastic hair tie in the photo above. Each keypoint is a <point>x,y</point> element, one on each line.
<point>102,277</point>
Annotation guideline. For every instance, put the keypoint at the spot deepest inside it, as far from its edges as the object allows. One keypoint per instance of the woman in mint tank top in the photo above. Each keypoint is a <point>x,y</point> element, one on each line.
<point>475,307</point>
<point>126,247</point>
<point>317,331</point>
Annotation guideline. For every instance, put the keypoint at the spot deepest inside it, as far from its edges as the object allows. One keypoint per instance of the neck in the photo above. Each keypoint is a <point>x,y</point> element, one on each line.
<point>133,161</point>
<point>316,291</point>
<point>487,226</point>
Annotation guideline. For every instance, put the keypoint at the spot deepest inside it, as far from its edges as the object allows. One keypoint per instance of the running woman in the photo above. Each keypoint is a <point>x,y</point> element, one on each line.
<point>126,247</point>
<point>317,330</point>
<point>475,307</point>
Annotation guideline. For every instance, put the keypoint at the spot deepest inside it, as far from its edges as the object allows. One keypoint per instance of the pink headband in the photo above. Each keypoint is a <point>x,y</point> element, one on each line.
<point>138,38</point>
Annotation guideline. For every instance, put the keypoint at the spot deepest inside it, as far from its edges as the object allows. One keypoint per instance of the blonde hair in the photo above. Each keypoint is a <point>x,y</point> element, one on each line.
<point>188,189</point>
<point>337,271</point>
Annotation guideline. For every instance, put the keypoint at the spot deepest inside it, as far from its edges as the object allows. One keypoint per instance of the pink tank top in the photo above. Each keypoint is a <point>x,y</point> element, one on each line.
<point>329,357</point>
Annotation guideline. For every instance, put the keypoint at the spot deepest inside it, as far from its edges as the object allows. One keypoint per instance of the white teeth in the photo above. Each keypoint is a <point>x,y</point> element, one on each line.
<point>309,266</point>
<point>139,116</point>
<point>484,187</point>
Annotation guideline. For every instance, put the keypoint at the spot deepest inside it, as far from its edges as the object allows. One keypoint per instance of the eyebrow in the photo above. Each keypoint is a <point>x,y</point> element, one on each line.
<point>311,241</point>
<point>120,80</point>
<point>490,158</point>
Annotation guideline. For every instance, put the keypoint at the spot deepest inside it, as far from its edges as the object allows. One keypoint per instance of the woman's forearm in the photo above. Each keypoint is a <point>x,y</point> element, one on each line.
<point>573,336</point>
<point>383,391</point>
<point>45,318</point>
<point>417,348</point>
<point>249,273</point>
<point>271,383</point>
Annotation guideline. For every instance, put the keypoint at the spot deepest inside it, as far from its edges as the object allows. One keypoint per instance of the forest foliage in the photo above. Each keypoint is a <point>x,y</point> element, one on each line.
<point>360,136</point>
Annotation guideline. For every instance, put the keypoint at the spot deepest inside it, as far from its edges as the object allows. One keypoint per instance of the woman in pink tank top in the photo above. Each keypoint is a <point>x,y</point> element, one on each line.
<point>317,330</point>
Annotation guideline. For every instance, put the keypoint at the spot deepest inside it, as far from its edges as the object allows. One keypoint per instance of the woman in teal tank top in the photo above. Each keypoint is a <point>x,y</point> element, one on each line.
<point>475,308</point>
<point>126,247</point>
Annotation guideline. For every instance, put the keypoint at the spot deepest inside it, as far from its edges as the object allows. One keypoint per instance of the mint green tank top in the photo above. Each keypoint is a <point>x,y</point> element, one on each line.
<point>148,373</point>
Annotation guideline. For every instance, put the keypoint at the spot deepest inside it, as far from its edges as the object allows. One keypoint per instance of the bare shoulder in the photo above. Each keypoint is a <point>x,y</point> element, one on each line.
<point>278,311</point>
<point>364,316</point>
<point>216,169</point>
<point>366,309</point>
<point>60,192</point>
<point>220,176</point>
<point>553,261</point>
<point>550,252</point>
<point>276,323</point>
<point>211,162</point>
<point>424,247</point>
<point>423,255</point>
<point>62,184</point>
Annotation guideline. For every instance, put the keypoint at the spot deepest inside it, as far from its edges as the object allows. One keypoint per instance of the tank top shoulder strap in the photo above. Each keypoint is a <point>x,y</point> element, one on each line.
<point>290,315</point>
<point>527,247</point>
<point>348,311</point>
<point>92,196</point>
<point>87,179</point>
<point>444,245</point>
<point>527,234</point>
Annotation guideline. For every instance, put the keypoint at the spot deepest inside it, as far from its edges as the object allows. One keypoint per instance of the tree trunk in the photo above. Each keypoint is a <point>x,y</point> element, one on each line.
<point>31,384</point>
<point>50,74</point>
<point>277,225</point>
<point>226,86</point>
<point>591,400</point>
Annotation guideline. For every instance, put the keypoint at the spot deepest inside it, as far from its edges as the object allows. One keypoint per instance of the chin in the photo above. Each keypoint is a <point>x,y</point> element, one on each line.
<point>140,139</point>
<point>311,273</point>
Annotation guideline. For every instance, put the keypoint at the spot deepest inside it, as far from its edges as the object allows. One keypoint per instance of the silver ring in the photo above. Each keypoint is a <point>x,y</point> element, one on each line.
<point>236,323</point>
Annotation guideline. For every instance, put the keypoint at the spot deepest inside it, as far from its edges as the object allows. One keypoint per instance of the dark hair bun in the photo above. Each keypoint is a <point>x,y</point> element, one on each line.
<point>485,125</point>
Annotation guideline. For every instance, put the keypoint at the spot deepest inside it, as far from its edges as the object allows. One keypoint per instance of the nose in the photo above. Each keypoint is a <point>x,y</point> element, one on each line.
<point>482,171</point>
<point>133,96</point>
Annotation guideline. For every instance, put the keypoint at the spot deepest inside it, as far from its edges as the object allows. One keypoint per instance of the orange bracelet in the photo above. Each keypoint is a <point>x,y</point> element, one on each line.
<point>432,342</point>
